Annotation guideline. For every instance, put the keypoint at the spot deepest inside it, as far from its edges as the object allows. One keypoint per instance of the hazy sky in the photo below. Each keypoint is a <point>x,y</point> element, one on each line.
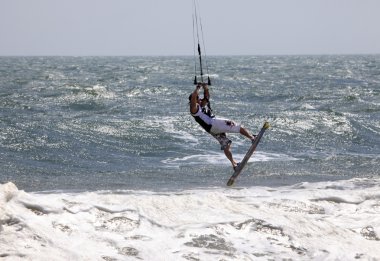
<point>164,27</point>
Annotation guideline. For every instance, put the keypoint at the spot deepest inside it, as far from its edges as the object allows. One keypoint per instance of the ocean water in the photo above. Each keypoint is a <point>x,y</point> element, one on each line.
<point>100,159</point>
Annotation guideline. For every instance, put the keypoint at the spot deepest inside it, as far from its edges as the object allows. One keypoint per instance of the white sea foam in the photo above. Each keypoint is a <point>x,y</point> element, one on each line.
<point>308,221</point>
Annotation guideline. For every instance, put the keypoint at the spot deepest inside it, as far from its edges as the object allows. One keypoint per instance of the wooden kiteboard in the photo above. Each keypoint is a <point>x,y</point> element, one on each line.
<point>251,150</point>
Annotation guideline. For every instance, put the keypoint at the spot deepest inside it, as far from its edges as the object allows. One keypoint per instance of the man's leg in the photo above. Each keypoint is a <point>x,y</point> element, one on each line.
<point>226,146</point>
<point>227,152</point>
<point>246,133</point>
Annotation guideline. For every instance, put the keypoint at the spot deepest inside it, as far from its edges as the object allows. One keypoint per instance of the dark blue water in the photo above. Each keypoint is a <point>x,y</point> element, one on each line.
<point>87,123</point>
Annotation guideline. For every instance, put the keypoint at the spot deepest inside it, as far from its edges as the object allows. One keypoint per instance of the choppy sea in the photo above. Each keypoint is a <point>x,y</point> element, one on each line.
<point>100,159</point>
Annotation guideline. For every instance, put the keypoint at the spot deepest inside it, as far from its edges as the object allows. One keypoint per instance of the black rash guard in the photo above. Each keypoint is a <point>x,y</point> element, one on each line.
<point>204,117</point>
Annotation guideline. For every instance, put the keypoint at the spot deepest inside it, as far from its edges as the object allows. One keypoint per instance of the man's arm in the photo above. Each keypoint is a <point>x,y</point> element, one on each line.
<point>206,93</point>
<point>194,100</point>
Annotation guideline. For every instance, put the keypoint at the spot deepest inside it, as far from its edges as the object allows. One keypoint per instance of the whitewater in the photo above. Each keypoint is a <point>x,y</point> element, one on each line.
<point>307,221</point>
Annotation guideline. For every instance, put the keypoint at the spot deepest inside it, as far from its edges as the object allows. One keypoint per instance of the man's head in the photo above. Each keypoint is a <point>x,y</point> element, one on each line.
<point>201,101</point>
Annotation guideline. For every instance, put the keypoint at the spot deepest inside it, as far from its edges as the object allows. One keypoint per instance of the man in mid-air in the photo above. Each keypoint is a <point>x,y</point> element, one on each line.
<point>201,111</point>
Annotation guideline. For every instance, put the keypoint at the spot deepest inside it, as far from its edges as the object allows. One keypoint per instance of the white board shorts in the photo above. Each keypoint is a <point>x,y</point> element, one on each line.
<point>219,128</point>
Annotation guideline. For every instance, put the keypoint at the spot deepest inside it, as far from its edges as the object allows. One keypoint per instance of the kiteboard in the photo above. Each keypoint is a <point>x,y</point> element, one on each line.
<point>251,150</point>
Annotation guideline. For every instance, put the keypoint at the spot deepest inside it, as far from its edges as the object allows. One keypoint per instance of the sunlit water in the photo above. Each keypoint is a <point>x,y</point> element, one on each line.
<point>123,122</point>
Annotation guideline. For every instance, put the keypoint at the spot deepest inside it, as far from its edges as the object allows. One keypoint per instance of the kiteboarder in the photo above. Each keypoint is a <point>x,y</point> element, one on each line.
<point>200,109</point>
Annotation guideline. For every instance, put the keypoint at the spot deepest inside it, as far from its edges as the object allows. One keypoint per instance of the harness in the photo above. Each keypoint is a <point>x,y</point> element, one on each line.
<point>204,117</point>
